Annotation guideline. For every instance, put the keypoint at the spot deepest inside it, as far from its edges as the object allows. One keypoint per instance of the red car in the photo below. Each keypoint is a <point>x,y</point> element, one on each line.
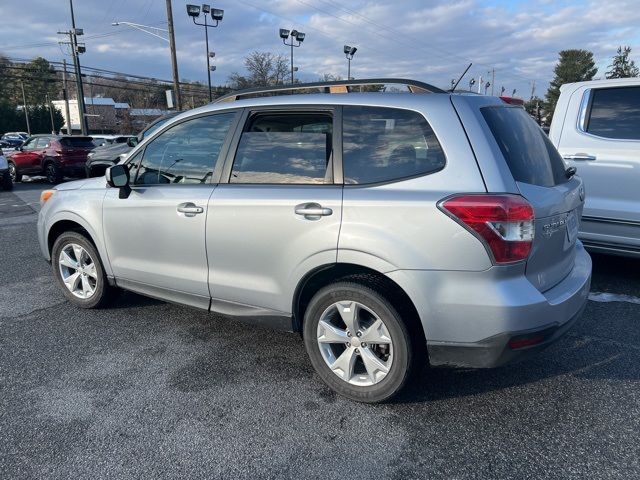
<point>54,156</point>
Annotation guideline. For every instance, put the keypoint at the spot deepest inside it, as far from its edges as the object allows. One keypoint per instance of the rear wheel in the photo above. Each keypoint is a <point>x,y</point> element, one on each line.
<point>53,174</point>
<point>13,171</point>
<point>357,342</point>
<point>79,271</point>
<point>7,181</point>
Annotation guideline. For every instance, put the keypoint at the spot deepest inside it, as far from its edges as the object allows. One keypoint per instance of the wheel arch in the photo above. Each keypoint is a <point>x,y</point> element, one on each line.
<point>337,272</point>
<point>72,222</point>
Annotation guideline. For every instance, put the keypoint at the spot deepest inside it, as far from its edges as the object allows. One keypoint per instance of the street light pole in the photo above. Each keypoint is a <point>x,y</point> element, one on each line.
<point>216,16</point>
<point>296,40</point>
<point>349,52</point>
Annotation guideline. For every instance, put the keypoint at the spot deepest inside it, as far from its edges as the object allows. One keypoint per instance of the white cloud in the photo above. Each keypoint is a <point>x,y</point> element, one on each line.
<point>431,40</point>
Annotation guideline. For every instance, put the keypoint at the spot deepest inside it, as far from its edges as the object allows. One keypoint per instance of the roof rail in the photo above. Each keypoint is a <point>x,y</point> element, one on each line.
<point>339,86</point>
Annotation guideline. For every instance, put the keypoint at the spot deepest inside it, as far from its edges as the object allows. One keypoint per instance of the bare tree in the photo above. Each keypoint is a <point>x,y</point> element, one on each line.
<point>263,69</point>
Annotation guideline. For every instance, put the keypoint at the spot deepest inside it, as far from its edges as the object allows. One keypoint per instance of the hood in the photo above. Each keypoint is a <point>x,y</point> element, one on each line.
<point>98,182</point>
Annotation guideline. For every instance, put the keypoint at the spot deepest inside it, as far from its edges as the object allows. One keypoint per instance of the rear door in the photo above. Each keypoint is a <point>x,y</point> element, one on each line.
<point>604,146</point>
<point>278,215</point>
<point>541,178</point>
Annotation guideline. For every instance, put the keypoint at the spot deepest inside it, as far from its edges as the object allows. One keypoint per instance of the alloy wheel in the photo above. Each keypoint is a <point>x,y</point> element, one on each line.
<point>12,172</point>
<point>78,271</point>
<point>355,343</point>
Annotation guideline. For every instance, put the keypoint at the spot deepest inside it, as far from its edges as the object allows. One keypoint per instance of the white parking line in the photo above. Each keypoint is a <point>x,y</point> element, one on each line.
<point>613,297</point>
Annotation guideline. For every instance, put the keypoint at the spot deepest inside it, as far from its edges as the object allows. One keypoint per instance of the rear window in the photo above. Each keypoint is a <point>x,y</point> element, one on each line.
<point>77,142</point>
<point>529,153</point>
<point>387,144</point>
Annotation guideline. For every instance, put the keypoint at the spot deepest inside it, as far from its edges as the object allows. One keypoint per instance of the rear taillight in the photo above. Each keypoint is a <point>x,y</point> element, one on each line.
<point>505,223</point>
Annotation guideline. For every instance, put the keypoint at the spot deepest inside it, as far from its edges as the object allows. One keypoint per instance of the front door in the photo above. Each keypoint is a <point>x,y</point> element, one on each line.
<point>278,215</point>
<point>605,149</point>
<point>155,238</point>
<point>28,159</point>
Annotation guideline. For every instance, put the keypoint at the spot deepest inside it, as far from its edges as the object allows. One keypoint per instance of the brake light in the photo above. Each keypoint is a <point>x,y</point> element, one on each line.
<point>504,223</point>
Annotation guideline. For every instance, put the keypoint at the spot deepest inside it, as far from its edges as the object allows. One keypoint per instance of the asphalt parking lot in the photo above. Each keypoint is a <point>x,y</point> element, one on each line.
<point>147,389</point>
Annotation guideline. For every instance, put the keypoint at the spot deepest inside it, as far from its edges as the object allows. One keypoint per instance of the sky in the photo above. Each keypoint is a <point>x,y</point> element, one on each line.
<point>428,40</point>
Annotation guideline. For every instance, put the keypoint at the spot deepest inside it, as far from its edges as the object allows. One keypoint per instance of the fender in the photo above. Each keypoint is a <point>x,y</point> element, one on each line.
<point>95,236</point>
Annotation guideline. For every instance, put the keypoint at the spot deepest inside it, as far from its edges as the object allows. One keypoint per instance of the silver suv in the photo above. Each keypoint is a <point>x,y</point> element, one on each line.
<point>386,228</point>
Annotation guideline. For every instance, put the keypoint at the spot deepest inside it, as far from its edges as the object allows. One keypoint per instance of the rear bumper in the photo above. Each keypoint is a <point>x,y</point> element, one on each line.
<point>470,318</point>
<point>498,350</point>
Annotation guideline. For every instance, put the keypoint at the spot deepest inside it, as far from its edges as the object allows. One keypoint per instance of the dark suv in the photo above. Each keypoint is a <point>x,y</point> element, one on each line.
<point>54,156</point>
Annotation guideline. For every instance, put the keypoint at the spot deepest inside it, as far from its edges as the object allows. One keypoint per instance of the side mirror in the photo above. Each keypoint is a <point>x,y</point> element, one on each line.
<point>118,177</point>
<point>133,141</point>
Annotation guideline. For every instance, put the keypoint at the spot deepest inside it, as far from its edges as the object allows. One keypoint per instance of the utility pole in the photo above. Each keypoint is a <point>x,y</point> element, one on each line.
<point>24,106</point>
<point>84,127</point>
<point>65,96</point>
<point>50,106</point>
<point>174,60</point>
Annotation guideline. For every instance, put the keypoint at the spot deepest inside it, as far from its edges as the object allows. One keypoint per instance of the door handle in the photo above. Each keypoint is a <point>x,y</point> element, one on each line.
<point>189,209</point>
<point>579,157</point>
<point>312,211</point>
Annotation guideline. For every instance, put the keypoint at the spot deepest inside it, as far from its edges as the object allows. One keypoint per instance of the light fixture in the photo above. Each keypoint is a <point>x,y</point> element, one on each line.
<point>217,14</point>
<point>212,68</point>
<point>284,33</point>
<point>347,49</point>
<point>353,51</point>
<point>206,8</point>
<point>193,10</point>
<point>299,36</point>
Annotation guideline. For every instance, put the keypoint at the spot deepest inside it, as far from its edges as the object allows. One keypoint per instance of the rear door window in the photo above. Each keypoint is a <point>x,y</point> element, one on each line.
<point>529,153</point>
<point>387,144</point>
<point>615,113</point>
<point>291,148</point>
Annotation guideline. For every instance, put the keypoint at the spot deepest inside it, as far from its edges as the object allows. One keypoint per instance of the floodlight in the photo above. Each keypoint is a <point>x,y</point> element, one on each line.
<point>353,51</point>
<point>206,8</point>
<point>217,14</point>
<point>212,68</point>
<point>299,36</point>
<point>193,10</point>
<point>212,54</point>
<point>284,33</point>
<point>347,49</point>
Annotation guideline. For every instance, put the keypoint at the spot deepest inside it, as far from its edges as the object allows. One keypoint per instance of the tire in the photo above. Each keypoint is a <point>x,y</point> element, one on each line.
<point>95,277</point>
<point>390,344</point>
<point>13,171</point>
<point>53,174</point>
<point>7,182</point>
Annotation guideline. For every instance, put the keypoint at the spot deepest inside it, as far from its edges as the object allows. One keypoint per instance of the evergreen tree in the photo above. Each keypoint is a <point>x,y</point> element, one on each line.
<point>573,66</point>
<point>621,66</point>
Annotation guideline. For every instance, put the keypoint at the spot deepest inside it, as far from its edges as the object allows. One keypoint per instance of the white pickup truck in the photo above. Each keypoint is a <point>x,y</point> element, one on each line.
<point>596,128</point>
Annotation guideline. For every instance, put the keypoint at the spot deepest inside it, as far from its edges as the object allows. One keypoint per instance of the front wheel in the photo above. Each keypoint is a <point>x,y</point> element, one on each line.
<point>357,342</point>
<point>13,172</point>
<point>79,272</point>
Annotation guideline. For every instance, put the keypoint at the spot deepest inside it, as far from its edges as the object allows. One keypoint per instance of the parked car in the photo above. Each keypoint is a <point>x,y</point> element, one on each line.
<point>596,128</point>
<point>53,156</point>
<point>5,176</point>
<point>106,155</point>
<point>387,229</point>
<point>103,157</point>
<point>10,141</point>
